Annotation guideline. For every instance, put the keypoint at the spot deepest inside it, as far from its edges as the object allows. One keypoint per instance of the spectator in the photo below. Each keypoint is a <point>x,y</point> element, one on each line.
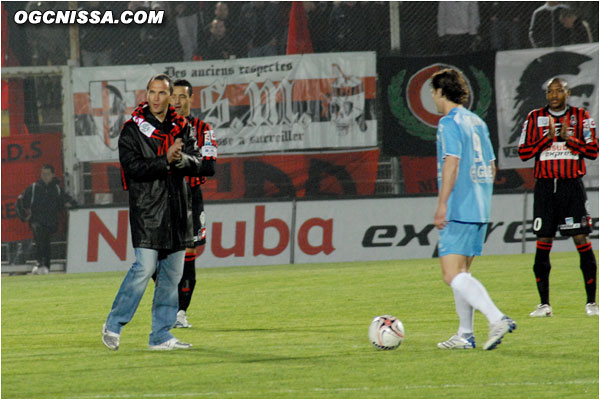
<point>260,29</point>
<point>189,17</point>
<point>347,26</point>
<point>129,48</point>
<point>545,29</point>
<point>218,46</point>
<point>49,42</point>
<point>505,25</point>
<point>41,204</point>
<point>222,11</point>
<point>457,26</point>
<point>578,30</point>
<point>158,40</point>
<point>96,41</point>
<point>317,13</point>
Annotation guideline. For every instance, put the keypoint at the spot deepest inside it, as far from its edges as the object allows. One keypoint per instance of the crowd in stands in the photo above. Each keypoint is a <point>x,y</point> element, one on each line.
<point>222,30</point>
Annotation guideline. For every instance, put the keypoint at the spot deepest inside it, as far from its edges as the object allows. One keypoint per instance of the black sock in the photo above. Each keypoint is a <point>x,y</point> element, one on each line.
<point>541,269</point>
<point>587,263</point>
<point>188,281</point>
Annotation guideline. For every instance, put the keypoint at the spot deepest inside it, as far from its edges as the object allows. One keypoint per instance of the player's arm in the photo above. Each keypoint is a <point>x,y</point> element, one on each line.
<point>449,175</point>
<point>588,145</point>
<point>534,139</point>
<point>193,161</point>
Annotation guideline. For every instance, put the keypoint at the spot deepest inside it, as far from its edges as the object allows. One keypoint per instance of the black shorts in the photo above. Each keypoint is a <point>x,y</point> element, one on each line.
<point>198,216</point>
<point>560,204</point>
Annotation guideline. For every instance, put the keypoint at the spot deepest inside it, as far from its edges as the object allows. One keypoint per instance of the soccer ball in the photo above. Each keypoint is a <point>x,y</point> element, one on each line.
<point>386,332</point>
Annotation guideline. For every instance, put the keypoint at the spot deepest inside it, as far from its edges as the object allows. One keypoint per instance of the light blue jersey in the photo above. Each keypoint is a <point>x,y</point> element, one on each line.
<point>463,134</point>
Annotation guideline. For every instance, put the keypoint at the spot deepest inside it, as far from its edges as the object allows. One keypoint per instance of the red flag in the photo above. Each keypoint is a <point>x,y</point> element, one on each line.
<point>298,34</point>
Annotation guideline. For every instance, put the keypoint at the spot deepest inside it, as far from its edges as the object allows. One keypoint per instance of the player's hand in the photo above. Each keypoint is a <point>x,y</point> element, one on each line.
<point>183,162</point>
<point>439,219</point>
<point>552,132</point>
<point>564,132</point>
<point>174,152</point>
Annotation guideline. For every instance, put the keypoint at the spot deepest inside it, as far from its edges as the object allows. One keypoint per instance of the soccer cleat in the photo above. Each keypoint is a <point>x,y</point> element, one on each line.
<point>591,309</point>
<point>542,310</point>
<point>170,344</point>
<point>182,321</point>
<point>458,342</point>
<point>110,339</point>
<point>497,332</point>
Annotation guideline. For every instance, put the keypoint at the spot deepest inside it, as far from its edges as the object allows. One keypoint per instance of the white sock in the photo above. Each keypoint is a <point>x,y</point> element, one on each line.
<point>475,294</point>
<point>465,315</point>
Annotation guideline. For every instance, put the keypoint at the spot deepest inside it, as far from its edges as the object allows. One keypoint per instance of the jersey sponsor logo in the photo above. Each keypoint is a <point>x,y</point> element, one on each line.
<point>558,151</point>
<point>482,174</point>
<point>145,127</point>
<point>543,121</point>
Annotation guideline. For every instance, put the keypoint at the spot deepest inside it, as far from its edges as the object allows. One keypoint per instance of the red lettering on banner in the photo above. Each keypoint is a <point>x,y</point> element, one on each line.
<point>240,240</point>
<point>326,245</point>
<point>260,225</point>
<point>118,243</point>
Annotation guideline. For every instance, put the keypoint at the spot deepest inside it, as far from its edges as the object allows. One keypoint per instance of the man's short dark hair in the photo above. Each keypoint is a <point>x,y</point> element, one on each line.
<point>184,83</point>
<point>561,81</point>
<point>161,77</point>
<point>48,166</point>
<point>453,85</point>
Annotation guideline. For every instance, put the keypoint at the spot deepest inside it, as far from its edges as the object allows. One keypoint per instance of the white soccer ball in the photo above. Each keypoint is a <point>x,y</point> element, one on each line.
<point>386,332</point>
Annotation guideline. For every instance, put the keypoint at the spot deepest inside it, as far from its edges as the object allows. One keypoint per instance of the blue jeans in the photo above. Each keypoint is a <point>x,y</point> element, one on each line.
<point>165,302</point>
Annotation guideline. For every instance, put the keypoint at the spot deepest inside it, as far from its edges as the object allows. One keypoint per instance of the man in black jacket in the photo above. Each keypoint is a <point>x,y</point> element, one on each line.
<point>156,151</point>
<point>40,204</point>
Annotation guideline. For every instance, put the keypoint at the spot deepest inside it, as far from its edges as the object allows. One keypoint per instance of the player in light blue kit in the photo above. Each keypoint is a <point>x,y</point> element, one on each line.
<point>466,170</point>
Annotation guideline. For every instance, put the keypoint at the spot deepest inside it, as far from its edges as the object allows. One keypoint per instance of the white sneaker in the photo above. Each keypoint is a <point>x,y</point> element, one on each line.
<point>170,344</point>
<point>542,310</point>
<point>182,321</point>
<point>35,270</point>
<point>497,332</point>
<point>44,270</point>
<point>458,342</point>
<point>591,309</point>
<point>110,339</point>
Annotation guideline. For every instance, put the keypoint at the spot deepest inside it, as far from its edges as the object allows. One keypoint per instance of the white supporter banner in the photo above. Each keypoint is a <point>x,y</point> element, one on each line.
<point>244,234</point>
<point>255,105</point>
<point>520,79</point>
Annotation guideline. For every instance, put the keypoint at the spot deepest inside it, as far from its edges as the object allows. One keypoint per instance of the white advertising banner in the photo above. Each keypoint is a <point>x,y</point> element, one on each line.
<point>322,231</point>
<point>255,105</point>
<point>520,79</point>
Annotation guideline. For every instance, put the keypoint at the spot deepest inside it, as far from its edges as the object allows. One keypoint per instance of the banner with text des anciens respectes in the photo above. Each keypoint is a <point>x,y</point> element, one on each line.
<point>256,105</point>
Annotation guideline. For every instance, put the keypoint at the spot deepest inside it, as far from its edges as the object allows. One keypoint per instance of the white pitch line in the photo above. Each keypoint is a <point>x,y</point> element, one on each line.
<point>292,391</point>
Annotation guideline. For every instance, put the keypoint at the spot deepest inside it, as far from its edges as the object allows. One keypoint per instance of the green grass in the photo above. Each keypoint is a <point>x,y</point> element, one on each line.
<point>301,332</point>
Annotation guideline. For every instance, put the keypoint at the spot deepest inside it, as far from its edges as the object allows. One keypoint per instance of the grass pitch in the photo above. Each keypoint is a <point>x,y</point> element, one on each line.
<point>300,331</point>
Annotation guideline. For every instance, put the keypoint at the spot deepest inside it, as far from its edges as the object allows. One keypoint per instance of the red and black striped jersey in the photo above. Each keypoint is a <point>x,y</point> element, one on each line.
<point>558,158</point>
<point>205,136</point>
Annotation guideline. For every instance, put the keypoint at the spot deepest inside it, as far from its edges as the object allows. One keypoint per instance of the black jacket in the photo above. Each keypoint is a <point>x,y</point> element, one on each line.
<point>159,205</point>
<point>45,203</point>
